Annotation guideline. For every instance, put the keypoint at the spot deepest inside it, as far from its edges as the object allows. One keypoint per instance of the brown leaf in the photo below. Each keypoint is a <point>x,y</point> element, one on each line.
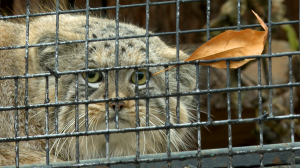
<point>231,44</point>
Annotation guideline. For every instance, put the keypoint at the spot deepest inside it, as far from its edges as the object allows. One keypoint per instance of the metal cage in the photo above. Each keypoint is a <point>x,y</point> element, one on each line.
<point>246,156</point>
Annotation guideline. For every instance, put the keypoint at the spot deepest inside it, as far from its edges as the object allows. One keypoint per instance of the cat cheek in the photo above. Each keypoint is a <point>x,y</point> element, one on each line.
<point>97,110</point>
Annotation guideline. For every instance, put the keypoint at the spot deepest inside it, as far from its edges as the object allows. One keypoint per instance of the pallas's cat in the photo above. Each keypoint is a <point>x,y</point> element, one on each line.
<point>72,88</point>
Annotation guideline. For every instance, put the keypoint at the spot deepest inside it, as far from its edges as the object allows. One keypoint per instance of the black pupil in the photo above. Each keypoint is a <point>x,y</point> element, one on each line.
<point>91,75</point>
<point>140,75</point>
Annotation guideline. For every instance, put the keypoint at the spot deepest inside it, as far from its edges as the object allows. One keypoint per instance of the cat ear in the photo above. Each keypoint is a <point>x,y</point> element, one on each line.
<point>43,57</point>
<point>187,72</point>
<point>169,55</point>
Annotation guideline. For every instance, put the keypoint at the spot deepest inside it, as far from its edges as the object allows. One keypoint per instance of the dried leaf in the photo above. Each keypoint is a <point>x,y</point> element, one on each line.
<point>231,44</point>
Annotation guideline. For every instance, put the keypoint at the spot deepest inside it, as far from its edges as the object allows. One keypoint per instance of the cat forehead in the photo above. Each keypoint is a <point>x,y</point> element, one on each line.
<point>131,49</point>
<point>102,34</point>
<point>101,27</point>
<point>130,52</point>
<point>109,29</point>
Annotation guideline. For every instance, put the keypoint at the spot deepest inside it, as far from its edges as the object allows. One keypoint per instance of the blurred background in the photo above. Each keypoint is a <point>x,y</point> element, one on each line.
<point>223,13</point>
<point>163,17</point>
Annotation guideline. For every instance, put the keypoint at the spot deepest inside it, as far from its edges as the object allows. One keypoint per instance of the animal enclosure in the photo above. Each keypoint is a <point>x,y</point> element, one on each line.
<point>245,117</point>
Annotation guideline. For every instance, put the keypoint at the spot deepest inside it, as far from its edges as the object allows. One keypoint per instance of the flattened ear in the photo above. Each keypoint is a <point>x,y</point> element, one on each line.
<point>187,73</point>
<point>169,55</point>
<point>44,56</point>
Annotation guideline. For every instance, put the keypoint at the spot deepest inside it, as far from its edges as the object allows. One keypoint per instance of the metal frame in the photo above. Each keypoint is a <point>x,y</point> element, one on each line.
<point>227,157</point>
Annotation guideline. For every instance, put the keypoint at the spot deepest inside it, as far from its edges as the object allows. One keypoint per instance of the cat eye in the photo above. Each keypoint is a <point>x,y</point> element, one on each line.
<point>93,77</point>
<point>141,77</point>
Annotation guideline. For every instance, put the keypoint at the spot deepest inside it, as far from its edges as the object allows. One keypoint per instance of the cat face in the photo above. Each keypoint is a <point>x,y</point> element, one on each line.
<point>103,83</point>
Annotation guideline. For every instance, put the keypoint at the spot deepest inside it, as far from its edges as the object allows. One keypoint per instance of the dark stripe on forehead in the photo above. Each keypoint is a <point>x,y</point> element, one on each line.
<point>106,45</point>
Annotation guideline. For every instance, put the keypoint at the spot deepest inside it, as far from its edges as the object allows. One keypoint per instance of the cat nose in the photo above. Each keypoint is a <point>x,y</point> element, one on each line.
<point>120,105</point>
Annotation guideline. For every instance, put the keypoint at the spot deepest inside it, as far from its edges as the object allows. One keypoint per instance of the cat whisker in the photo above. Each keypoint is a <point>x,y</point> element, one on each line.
<point>174,135</point>
<point>64,130</point>
<point>152,133</point>
<point>95,124</point>
<point>91,123</point>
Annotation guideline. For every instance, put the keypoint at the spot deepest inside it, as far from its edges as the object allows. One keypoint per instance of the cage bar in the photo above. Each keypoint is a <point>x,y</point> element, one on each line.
<point>259,155</point>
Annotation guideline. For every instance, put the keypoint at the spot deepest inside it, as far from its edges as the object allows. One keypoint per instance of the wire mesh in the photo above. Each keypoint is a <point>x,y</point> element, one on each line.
<point>258,155</point>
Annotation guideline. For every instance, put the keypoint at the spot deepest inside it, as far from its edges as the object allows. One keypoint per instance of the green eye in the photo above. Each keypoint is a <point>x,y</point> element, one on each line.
<point>93,77</point>
<point>141,77</point>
